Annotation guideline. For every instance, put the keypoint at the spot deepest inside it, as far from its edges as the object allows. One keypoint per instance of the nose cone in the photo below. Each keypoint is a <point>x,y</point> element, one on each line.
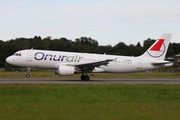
<point>9,60</point>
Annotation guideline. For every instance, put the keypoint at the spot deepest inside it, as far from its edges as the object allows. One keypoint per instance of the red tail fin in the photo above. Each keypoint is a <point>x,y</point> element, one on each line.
<point>158,45</point>
<point>159,49</point>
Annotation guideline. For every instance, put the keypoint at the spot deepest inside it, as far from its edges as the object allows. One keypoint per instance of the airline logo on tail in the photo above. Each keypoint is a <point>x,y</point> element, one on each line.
<point>158,49</point>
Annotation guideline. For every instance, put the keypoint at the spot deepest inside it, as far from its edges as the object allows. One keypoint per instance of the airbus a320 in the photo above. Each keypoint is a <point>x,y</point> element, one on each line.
<point>69,63</point>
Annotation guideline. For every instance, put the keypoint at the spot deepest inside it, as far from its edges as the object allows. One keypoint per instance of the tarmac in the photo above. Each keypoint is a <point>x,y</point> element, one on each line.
<point>92,81</point>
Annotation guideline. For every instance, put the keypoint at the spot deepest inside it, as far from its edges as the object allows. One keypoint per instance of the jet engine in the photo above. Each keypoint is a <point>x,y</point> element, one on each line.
<point>64,70</point>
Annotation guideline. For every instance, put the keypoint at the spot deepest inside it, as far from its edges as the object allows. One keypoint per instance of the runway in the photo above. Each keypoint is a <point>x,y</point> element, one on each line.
<point>92,81</point>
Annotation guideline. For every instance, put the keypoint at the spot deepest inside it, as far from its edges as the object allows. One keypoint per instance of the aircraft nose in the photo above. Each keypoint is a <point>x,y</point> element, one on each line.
<point>9,60</point>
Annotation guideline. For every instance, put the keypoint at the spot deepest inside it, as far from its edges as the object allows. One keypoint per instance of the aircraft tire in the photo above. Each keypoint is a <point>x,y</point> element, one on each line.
<point>27,75</point>
<point>85,78</point>
<point>82,77</point>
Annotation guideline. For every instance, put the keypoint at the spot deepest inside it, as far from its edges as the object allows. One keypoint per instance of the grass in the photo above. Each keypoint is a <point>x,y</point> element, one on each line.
<point>86,102</point>
<point>89,102</point>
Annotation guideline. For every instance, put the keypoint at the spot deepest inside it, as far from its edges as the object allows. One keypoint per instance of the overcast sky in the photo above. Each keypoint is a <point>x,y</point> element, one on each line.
<point>107,21</point>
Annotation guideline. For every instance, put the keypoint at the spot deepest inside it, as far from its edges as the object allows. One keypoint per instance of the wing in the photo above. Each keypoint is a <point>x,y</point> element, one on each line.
<point>89,67</point>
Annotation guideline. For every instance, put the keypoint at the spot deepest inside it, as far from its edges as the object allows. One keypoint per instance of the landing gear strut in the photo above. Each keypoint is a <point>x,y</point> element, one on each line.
<point>85,77</point>
<point>28,74</point>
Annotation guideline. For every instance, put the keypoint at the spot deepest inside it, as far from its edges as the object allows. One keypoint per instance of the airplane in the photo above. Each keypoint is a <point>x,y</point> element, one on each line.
<point>69,63</point>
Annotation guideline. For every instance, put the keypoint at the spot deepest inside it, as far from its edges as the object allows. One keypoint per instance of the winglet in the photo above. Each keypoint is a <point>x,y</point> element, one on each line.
<point>159,49</point>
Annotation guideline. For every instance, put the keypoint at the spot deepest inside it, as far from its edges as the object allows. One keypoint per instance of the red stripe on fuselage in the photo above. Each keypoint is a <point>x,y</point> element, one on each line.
<point>158,45</point>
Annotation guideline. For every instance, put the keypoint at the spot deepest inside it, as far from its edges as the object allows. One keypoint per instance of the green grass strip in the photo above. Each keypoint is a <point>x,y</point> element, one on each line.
<point>90,102</point>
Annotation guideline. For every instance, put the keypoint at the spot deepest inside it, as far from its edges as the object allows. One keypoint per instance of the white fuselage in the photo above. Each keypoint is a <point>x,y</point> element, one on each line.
<point>51,60</point>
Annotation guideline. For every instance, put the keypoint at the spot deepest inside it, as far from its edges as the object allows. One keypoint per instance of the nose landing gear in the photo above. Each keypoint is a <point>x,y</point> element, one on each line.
<point>28,74</point>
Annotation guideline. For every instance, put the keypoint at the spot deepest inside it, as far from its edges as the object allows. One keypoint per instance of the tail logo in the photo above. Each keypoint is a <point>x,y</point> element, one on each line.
<point>158,49</point>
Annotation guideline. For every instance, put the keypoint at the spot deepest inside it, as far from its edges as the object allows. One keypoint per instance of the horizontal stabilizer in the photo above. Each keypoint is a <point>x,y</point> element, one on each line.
<point>159,63</point>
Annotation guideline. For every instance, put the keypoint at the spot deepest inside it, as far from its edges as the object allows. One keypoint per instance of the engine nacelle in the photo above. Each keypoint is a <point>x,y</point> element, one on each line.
<point>64,70</point>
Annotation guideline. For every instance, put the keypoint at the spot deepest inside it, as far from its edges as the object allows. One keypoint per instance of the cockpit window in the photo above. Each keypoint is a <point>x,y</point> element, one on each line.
<point>17,54</point>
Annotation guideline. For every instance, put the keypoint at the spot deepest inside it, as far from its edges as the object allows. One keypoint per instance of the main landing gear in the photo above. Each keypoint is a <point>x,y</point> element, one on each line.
<point>28,74</point>
<point>85,77</point>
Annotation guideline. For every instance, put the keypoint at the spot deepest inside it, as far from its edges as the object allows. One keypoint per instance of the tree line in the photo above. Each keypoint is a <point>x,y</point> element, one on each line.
<point>83,44</point>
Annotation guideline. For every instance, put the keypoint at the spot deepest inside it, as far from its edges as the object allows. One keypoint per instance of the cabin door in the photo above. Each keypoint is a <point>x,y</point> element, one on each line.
<point>29,56</point>
<point>139,64</point>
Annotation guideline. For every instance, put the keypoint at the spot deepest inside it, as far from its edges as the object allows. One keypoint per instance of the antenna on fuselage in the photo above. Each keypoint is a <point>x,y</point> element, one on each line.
<point>31,48</point>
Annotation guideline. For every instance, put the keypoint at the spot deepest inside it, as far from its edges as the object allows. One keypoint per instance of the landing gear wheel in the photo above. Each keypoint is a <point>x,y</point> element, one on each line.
<point>82,77</point>
<point>27,75</point>
<point>85,78</point>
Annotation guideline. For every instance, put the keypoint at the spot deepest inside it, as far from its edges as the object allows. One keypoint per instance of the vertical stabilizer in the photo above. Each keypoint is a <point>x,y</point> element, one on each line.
<point>159,49</point>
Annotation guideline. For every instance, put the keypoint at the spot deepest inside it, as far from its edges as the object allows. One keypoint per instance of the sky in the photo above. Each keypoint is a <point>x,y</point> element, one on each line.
<point>107,21</point>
